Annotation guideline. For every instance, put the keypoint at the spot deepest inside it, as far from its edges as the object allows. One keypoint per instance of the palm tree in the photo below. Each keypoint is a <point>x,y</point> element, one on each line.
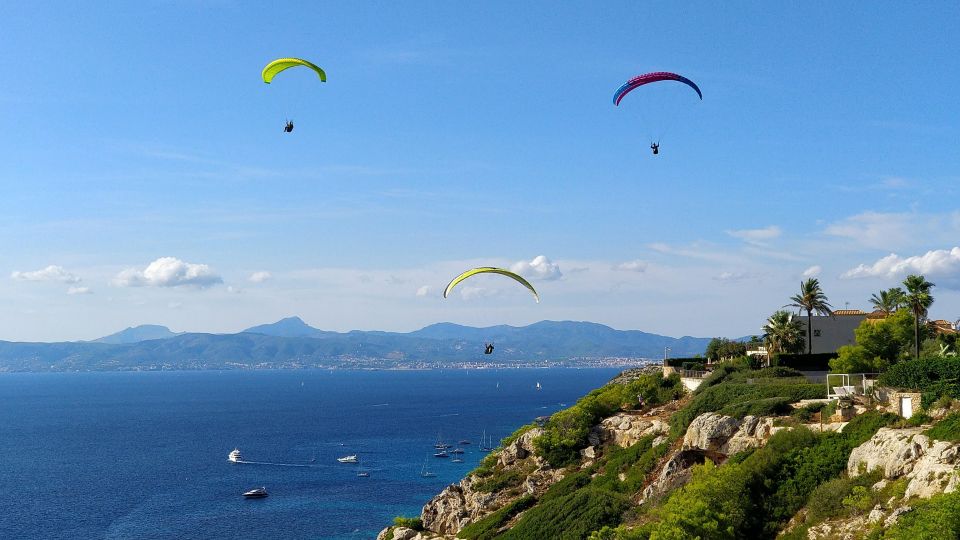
<point>889,300</point>
<point>782,333</point>
<point>919,300</point>
<point>811,299</point>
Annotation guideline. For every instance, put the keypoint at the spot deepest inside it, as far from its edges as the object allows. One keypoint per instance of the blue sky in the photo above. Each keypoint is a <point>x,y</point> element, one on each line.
<point>144,161</point>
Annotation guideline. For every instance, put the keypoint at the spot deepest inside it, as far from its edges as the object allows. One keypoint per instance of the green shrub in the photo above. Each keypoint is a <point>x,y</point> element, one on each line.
<point>503,478</point>
<point>774,406</point>
<point>947,429</point>
<point>565,434</point>
<point>935,519</point>
<point>843,497</point>
<point>570,517</point>
<point>717,397</point>
<point>414,523</point>
<point>566,486</point>
<point>918,420</point>
<point>926,374</point>
<point>634,463</point>
<point>862,427</point>
<point>857,359</point>
<point>487,528</point>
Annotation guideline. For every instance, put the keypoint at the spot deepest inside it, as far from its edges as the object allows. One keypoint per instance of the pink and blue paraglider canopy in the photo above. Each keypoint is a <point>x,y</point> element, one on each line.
<point>647,78</point>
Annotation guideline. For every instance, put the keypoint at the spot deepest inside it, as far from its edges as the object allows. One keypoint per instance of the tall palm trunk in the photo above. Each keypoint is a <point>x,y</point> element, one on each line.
<point>916,336</point>
<point>809,332</point>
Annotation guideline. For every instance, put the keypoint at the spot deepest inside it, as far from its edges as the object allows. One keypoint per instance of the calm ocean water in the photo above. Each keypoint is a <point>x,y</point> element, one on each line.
<point>143,455</point>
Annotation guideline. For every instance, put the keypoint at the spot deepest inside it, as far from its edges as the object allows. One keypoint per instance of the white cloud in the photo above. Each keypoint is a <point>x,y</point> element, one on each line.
<point>259,277</point>
<point>469,293</point>
<point>79,290</point>
<point>169,272</point>
<point>733,276</point>
<point>540,268</point>
<point>813,271</point>
<point>423,291</point>
<point>50,273</point>
<point>932,264</point>
<point>874,229</point>
<point>632,266</point>
<point>757,236</point>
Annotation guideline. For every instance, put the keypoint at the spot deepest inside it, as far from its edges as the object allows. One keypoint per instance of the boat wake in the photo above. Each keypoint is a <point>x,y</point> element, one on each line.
<point>306,465</point>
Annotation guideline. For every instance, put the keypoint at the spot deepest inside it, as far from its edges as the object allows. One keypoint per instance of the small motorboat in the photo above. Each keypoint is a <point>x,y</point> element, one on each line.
<point>235,456</point>
<point>258,493</point>
<point>457,451</point>
<point>463,442</point>
<point>442,454</point>
<point>456,460</point>
<point>348,459</point>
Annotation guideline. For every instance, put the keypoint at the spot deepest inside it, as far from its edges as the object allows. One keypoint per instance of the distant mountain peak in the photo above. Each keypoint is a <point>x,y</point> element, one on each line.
<point>136,334</point>
<point>288,327</point>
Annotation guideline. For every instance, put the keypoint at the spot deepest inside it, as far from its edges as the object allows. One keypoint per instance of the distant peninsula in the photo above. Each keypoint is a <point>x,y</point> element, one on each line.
<point>291,344</point>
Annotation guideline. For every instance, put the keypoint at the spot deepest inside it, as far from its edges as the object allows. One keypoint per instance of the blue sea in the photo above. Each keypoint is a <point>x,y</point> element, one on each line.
<point>144,455</point>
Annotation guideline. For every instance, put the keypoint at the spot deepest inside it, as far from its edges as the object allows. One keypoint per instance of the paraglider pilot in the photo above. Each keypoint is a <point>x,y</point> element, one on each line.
<point>289,127</point>
<point>653,146</point>
<point>488,349</point>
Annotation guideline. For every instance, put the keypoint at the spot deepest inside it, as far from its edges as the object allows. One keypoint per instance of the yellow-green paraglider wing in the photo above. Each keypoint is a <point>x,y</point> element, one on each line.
<point>491,270</point>
<point>280,64</point>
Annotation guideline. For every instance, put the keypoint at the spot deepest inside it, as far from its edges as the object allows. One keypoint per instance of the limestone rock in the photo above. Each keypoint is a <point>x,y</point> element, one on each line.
<point>727,435</point>
<point>710,431</point>
<point>894,451</point>
<point>520,448</point>
<point>935,472</point>
<point>625,429</point>
<point>674,473</point>
<point>931,466</point>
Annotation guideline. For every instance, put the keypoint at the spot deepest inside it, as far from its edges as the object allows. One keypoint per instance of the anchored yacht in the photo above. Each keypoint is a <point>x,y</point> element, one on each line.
<point>352,458</point>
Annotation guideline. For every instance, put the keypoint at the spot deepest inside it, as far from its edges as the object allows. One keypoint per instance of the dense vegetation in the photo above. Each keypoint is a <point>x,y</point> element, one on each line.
<point>565,434</point>
<point>933,377</point>
<point>768,392</point>
<point>947,429</point>
<point>935,519</point>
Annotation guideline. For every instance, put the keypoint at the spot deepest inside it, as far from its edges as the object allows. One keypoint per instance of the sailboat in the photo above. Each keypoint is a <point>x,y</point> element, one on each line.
<point>425,472</point>
<point>538,386</point>
<point>484,445</point>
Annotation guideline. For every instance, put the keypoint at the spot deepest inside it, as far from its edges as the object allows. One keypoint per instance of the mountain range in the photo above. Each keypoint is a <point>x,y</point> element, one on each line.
<point>291,343</point>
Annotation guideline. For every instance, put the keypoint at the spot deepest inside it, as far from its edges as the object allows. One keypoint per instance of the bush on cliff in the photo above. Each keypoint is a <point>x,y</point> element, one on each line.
<point>947,429</point>
<point>487,527</point>
<point>570,517</point>
<point>934,377</point>
<point>414,523</point>
<point>717,397</point>
<point>565,434</point>
<point>934,519</point>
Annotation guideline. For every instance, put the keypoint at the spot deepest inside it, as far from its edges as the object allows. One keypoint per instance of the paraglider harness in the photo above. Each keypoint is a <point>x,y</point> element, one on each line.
<point>488,349</point>
<point>655,146</point>
<point>289,127</point>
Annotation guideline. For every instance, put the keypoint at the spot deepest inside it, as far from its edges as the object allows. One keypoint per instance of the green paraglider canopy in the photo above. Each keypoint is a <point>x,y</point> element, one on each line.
<point>280,64</point>
<point>491,270</point>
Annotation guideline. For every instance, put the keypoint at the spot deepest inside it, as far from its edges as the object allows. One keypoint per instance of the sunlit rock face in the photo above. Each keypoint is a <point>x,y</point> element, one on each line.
<point>930,465</point>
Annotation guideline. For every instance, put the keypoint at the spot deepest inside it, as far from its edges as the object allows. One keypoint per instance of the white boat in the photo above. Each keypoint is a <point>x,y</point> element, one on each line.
<point>258,493</point>
<point>539,387</point>
<point>456,460</point>
<point>235,456</point>
<point>348,459</point>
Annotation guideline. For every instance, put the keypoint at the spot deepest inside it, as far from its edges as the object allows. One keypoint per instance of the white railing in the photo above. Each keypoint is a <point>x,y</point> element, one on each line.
<point>850,384</point>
